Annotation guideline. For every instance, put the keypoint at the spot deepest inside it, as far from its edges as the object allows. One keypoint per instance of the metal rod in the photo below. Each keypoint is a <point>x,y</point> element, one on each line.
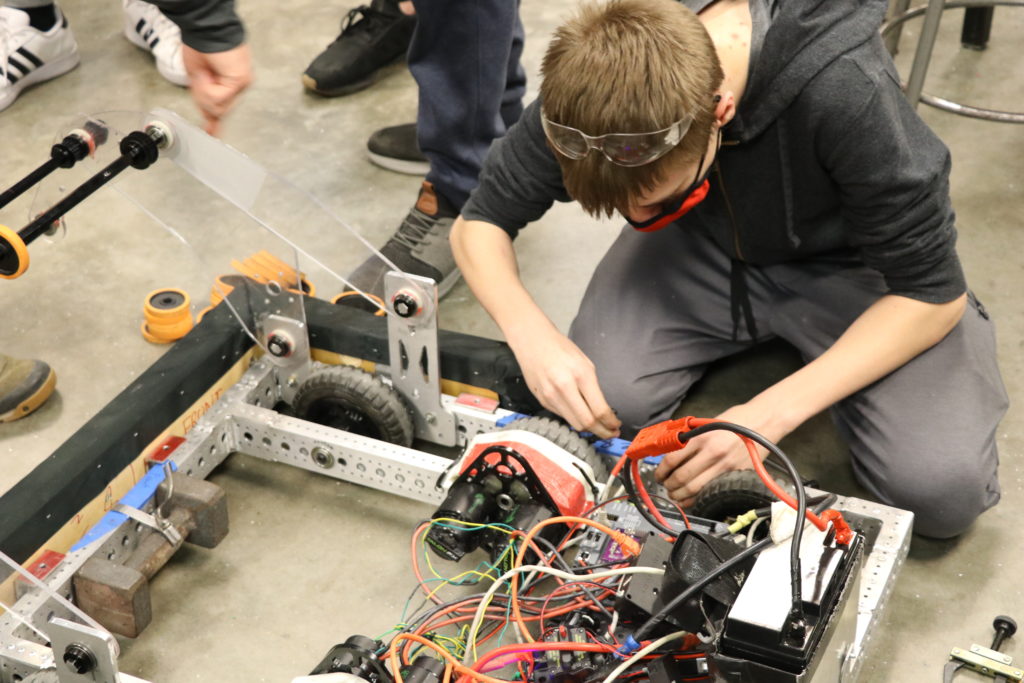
<point>28,181</point>
<point>923,55</point>
<point>42,223</point>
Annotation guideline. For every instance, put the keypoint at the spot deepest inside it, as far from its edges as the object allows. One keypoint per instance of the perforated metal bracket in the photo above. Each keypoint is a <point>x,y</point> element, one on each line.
<point>83,653</point>
<point>415,360</point>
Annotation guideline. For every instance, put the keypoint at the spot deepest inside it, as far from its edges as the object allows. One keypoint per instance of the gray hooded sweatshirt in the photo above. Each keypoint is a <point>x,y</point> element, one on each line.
<point>206,25</point>
<point>824,160</point>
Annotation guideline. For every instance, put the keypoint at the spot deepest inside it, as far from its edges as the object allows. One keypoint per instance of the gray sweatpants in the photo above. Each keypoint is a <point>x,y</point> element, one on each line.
<point>26,4</point>
<point>657,312</point>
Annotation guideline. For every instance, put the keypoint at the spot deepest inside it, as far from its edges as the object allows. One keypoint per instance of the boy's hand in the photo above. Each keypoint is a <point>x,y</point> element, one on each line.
<point>217,78</point>
<point>565,382</point>
<point>685,472</point>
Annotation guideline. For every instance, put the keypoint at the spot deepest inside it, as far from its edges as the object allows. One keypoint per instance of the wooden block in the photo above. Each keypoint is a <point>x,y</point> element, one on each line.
<point>209,508</point>
<point>114,595</point>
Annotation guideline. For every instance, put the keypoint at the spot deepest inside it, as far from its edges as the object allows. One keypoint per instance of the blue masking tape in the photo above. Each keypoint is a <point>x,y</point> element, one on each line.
<point>136,498</point>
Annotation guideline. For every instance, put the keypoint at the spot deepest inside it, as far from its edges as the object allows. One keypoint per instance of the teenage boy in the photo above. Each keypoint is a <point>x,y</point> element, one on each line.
<point>776,184</point>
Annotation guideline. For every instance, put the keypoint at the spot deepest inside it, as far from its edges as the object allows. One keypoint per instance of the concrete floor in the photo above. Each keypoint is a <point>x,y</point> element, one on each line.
<point>291,578</point>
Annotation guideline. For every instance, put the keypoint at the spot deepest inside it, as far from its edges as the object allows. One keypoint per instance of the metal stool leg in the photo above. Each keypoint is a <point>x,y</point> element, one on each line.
<point>897,8</point>
<point>919,69</point>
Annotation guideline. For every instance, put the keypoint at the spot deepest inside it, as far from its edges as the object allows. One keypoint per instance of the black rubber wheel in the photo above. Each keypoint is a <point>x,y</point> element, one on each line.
<point>563,436</point>
<point>732,494</point>
<point>355,401</point>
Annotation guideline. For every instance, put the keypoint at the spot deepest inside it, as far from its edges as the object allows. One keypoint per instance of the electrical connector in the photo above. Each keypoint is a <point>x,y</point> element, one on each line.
<point>630,546</point>
<point>743,521</point>
<point>629,646</point>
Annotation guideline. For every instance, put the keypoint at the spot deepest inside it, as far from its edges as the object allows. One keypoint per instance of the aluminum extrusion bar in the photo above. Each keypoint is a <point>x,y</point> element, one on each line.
<point>350,457</point>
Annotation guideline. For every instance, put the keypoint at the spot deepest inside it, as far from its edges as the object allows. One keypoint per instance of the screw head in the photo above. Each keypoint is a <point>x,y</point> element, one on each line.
<point>322,457</point>
<point>279,345</point>
<point>79,658</point>
<point>405,305</point>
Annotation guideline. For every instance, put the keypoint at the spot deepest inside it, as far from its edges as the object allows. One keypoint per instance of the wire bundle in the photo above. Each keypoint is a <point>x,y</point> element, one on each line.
<point>532,602</point>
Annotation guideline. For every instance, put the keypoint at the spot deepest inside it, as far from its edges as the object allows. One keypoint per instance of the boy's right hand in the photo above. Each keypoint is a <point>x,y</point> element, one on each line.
<point>564,380</point>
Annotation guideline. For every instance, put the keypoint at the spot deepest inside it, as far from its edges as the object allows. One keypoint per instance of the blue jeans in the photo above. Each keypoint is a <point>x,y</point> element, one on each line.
<point>465,57</point>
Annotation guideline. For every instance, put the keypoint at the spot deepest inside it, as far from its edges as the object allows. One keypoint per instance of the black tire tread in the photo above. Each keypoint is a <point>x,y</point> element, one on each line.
<point>364,392</point>
<point>564,437</point>
<point>731,494</point>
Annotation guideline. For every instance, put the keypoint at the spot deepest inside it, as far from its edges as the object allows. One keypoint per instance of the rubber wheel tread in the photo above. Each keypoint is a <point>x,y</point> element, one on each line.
<point>564,437</point>
<point>361,392</point>
<point>731,494</point>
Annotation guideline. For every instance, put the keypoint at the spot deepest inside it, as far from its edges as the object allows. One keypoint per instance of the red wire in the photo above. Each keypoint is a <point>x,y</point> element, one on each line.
<point>539,647</point>
<point>644,495</point>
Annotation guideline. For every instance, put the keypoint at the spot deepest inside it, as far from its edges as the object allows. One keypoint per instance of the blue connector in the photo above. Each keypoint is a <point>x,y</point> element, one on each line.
<point>628,647</point>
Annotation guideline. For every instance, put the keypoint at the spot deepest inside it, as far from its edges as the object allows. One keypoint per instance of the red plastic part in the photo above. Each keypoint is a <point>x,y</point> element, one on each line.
<point>479,402</point>
<point>566,491</point>
<point>660,438</point>
<point>46,563</point>
<point>844,534</point>
<point>164,450</point>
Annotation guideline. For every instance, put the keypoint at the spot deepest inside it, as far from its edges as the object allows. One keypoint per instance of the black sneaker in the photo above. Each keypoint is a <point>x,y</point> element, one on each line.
<point>419,246</point>
<point>396,149</point>
<point>372,36</point>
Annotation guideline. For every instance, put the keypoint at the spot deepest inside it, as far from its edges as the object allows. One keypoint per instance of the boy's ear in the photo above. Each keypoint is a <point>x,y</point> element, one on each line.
<point>725,107</point>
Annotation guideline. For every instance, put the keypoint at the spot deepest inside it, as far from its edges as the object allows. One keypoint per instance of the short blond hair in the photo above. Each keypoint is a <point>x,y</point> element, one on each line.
<point>629,66</point>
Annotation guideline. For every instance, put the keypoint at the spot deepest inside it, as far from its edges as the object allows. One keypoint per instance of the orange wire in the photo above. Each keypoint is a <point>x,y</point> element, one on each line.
<point>628,544</point>
<point>456,665</point>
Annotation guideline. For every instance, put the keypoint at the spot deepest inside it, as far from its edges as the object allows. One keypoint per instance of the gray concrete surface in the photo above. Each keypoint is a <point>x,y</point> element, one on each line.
<point>311,561</point>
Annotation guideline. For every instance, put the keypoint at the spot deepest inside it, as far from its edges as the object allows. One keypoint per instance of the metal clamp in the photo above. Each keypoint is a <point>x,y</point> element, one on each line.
<point>984,661</point>
<point>158,520</point>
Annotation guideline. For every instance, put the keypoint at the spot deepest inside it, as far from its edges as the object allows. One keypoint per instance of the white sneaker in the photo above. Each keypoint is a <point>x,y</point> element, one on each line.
<point>28,55</point>
<point>147,27</point>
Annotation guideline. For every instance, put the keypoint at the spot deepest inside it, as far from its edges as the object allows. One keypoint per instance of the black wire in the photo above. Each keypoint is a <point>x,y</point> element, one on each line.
<point>631,493</point>
<point>557,556</point>
<point>645,629</point>
<point>801,498</point>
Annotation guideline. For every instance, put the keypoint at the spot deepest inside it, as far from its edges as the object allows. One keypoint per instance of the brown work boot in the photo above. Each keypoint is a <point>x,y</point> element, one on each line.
<point>24,386</point>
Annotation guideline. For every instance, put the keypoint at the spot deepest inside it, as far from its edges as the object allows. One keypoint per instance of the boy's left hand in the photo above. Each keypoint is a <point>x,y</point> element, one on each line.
<point>685,472</point>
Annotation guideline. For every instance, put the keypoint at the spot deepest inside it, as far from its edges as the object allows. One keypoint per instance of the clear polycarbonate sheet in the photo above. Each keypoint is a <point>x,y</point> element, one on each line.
<point>215,221</point>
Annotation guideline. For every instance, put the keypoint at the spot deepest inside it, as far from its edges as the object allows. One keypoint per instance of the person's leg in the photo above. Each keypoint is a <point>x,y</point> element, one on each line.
<point>465,59</point>
<point>923,437</point>
<point>464,56</point>
<point>515,78</point>
<point>657,311</point>
<point>38,45</point>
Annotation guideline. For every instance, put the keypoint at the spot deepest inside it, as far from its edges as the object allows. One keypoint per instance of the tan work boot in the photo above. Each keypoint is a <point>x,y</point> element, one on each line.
<point>24,386</point>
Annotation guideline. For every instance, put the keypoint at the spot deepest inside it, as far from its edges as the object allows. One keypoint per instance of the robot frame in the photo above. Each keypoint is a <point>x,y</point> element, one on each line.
<point>449,389</point>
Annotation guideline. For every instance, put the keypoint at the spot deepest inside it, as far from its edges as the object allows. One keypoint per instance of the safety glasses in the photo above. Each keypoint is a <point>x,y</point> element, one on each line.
<point>624,149</point>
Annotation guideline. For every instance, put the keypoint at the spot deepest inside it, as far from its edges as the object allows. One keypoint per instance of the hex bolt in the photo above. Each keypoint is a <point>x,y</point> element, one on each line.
<point>1005,628</point>
<point>79,658</point>
<point>405,305</point>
